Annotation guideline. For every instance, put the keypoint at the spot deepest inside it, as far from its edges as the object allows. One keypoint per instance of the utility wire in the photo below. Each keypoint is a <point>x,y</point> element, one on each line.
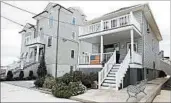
<point>40,16</point>
<point>42,33</point>
<point>12,21</point>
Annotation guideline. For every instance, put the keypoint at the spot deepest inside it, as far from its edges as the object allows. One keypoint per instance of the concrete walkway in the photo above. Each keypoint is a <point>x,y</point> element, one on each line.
<point>11,93</point>
<point>107,95</point>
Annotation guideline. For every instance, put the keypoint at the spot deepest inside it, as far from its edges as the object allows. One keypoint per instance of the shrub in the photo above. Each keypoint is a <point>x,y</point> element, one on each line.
<point>41,71</point>
<point>93,76</point>
<point>67,78</point>
<point>61,90</point>
<point>77,76</point>
<point>31,76</point>
<point>21,75</point>
<point>9,75</point>
<point>39,82</point>
<point>49,82</point>
<point>77,88</point>
<point>31,73</point>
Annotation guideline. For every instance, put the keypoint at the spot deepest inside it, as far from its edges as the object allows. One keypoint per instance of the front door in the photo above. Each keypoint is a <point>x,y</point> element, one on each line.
<point>110,47</point>
<point>129,47</point>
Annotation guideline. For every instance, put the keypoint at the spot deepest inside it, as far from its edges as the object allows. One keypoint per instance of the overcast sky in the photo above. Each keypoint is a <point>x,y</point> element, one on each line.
<point>11,39</point>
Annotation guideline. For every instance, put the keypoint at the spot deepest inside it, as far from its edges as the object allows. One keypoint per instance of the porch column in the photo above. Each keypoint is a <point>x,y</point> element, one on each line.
<point>37,54</point>
<point>102,25</point>
<point>101,49</point>
<point>132,44</point>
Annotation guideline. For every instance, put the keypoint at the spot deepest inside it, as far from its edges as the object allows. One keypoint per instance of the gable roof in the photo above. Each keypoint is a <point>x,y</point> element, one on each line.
<point>27,26</point>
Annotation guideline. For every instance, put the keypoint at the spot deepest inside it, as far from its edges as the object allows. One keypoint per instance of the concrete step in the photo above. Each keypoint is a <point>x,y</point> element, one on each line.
<point>111,75</point>
<point>115,68</point>
<point>110,78</point>
<point>112,72</point>
<point>110,81</point>
<point>111,88</point>
<point>108,85</point>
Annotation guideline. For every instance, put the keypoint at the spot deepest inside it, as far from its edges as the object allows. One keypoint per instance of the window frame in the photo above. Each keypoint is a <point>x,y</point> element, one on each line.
<point>49,41</point>
<point>72,54</point>
<point>74,18</point>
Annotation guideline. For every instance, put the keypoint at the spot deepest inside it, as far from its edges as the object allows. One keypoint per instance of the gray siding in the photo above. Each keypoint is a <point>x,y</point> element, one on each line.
<point>151,47</point>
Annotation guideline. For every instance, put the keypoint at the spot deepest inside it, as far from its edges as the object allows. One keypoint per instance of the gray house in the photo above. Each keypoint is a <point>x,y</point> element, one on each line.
<point>122,46</point>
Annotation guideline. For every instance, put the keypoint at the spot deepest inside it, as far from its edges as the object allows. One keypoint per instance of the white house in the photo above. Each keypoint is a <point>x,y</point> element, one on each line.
<point>122,46</point>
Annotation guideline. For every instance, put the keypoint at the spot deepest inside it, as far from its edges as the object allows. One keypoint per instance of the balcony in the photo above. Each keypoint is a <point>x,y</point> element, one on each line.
<point>36,40</point>
<point>114,23</point>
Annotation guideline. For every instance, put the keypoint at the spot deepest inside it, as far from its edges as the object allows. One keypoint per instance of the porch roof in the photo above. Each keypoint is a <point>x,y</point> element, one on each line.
<point>110,36</point>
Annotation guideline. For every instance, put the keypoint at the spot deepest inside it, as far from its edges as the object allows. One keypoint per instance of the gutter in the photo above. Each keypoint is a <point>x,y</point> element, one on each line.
<point>57,41</point>
<point>40,14</point>
<point>62,7</point>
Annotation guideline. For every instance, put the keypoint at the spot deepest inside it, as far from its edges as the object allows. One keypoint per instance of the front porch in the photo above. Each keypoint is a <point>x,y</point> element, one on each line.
<point>105,45</point>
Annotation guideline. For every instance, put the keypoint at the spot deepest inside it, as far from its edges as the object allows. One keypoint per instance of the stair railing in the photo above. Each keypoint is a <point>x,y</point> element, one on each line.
<point>122,70</point>
<point>107,67</point>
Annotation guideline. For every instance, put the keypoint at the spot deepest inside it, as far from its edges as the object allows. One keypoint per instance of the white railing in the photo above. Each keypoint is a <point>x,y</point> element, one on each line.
<point>86,58</point>
<point>107,67</point>
<point>90,28</point>
<point>38,39</point>
<point>165,66</point>
<point>109,24</point>
<point>137,58</point>
<point>122,70</point>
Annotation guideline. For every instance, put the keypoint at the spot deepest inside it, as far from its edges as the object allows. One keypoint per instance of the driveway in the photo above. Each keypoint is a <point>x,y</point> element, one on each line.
<point>12,93</point>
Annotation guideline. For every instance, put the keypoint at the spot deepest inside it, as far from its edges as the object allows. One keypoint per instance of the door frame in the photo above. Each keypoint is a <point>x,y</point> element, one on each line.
<point>136,45</point>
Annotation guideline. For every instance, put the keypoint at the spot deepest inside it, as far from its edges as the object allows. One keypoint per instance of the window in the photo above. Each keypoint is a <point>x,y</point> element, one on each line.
<point>31,54</point>
<point>106,26</point>
<point>49,41</point>
<point>72,53</point>
<point>51,21</point>
<point>73,21</point>
<point>113,23</point>
<point>148,28</point>
<point>73,35</point>
<point>71,69</point>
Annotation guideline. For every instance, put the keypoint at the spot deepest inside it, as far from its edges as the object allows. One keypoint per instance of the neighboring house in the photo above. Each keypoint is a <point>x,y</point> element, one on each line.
<point>69,42</point>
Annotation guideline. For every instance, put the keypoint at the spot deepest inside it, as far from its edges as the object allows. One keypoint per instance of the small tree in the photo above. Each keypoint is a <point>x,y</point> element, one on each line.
<point>30,73</point>
<point>21,75</point>
<point>41,71</point>
<point>9,75</point>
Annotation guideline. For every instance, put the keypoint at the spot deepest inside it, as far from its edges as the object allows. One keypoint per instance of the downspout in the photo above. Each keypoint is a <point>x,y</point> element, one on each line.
<point>143,41</point>
<point>57,43</point>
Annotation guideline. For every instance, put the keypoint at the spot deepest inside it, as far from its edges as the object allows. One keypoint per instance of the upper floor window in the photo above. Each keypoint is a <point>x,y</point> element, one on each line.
<point>73,35</point>
<point>72,53</point>
<point>148,28</point>
<point>106,26</point>
<point>49,41</point>
<point>73,21</point>
<point>113,23</point>
<point>51,21</point>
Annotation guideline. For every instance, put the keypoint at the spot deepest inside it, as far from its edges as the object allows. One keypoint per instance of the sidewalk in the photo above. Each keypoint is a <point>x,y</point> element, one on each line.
<point>11,93</point>
<point>107,95</point>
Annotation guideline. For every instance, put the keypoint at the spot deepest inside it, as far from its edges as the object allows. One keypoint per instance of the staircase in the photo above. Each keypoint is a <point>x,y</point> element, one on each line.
<point>110,80</point>
<point>112,74</point>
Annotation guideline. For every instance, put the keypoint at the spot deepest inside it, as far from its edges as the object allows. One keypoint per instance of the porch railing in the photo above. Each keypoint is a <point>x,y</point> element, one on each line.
<point>88,58</point>
<point>108,65</point>
<point>122,70</point>
<point>137,58</point>
<point>109,24</point>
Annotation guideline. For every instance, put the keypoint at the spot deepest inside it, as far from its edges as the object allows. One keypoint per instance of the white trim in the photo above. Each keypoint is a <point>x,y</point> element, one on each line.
<point>90,66</point>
